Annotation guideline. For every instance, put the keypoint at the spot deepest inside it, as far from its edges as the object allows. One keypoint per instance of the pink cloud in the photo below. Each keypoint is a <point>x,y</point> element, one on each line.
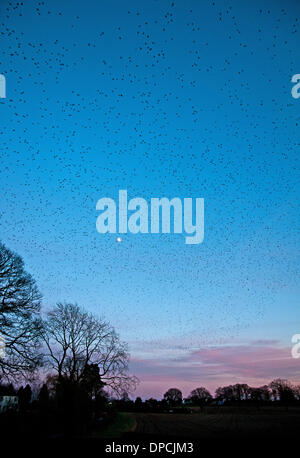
<point>256,364</point>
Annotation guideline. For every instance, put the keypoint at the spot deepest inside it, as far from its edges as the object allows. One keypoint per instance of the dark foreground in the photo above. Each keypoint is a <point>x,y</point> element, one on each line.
<point>230,430</point>
<point>220,423</point>
<point>217,429</point>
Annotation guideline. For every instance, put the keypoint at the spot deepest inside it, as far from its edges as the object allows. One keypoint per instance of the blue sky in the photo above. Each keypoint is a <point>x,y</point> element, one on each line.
<point>164,99</point>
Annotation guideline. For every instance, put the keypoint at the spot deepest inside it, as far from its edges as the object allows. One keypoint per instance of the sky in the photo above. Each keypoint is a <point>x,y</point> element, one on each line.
<point>162,99</point>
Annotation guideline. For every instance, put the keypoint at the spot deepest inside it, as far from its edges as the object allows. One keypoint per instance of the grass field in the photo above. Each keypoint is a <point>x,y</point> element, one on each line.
<point>220,423</point>
<point>122,423</point>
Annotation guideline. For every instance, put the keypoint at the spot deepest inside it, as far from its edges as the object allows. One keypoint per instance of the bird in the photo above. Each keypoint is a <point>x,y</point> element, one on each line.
<point>161,100</point>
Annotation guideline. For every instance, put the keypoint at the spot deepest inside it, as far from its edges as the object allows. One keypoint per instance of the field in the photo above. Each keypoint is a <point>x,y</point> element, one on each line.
<point>220,423</point>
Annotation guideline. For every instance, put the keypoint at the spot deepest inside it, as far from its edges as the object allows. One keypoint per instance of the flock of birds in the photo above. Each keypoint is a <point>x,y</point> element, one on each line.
<point>161,99</point>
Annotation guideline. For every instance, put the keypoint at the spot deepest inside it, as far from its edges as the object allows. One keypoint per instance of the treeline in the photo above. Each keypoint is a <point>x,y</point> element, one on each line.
<point>279,391</point>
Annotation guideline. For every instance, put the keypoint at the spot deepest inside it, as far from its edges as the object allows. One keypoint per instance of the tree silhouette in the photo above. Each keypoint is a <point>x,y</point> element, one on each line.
<point>237,392</point>
<point>282,391</point>
<point>76,339</point>
<point>200,396</point>
<point>138,403</point>
<point>173,396</point>
<point>7,390</point>
<point>24,395</point>
<point>20,323</point>
<point>259,394</point>
<point>91,381</point>
<point>43,398</point>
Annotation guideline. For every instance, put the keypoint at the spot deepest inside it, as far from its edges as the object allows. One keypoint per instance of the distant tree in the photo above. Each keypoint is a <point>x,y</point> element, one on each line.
<point>259,394</point>
<point>76,339</point>
<point>20,323</point>
<point>152,403</point>
<point>225,393</point>
<point>282,391</point>
<point>296,390</point>
<point>43,398</point>
<point>163,404</point>
<point>138,403</point>
<point>238,392</point>
<point>125,397</point>
<point>51,382</point>
<point>264,393</point>
<point>173,396</point>
<point>24,395</point>
<point>124,403</point>
<point>200,396</point>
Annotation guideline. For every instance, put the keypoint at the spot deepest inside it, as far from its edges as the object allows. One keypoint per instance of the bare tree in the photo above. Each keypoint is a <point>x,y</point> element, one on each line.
<point>75,339</point>
<point>296,390</point>
<point>173,396</point>
<point>282,390</point>
<point>238,392</point>
<point>225,393</point>
<point>200,396</point>
<point>19,317</point>
<point>259,394</point>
